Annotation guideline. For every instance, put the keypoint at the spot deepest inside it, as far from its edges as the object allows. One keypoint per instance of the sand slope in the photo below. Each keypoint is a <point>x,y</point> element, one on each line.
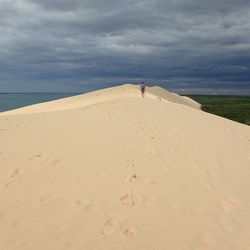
<point>111,170</point>
<point>126,90</point>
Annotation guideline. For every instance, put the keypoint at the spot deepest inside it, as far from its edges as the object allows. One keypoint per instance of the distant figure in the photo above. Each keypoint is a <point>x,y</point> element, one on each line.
<point>143,89</point>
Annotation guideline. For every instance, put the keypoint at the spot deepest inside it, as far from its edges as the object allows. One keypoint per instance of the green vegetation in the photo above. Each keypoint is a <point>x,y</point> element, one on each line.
<point>235,108</point>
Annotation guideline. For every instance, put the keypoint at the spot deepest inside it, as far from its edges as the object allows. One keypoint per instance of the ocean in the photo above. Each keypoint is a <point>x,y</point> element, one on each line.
<point>13,101</point>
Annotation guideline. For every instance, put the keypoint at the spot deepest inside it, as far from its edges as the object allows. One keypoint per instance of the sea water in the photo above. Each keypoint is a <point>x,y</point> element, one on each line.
<point>14,101</point>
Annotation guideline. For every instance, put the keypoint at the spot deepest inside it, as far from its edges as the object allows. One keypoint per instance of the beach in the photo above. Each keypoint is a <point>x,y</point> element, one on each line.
<point>112,170</point>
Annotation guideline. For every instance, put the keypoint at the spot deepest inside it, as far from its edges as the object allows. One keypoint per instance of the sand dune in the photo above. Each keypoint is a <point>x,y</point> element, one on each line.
<point>112,170</point>
<point>126,90</point>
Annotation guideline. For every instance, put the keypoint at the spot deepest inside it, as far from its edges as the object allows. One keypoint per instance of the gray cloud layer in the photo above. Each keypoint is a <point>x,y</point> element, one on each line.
<point>69,45</point>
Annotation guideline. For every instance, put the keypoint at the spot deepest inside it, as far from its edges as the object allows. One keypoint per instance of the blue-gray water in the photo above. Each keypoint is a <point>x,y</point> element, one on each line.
<point>14,101</point>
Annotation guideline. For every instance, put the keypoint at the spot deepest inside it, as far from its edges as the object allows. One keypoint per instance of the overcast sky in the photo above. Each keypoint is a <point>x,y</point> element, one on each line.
<point>188,46</point>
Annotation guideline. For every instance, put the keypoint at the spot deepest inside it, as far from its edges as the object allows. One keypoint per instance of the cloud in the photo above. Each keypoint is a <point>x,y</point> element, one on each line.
<point>68,45</point>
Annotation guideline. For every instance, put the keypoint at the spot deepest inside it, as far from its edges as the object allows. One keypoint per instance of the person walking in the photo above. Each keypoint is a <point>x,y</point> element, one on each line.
<point>143,89</point>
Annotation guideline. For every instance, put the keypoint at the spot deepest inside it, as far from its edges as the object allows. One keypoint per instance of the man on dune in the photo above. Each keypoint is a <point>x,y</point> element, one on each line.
<point>143,88</point>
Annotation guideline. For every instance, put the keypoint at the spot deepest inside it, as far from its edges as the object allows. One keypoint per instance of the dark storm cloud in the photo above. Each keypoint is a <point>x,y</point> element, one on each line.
<point>184,45</point>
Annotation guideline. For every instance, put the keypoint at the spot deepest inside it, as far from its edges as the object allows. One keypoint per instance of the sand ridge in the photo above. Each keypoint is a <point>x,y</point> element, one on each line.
<point>126,172</point>
<point>99,96</point>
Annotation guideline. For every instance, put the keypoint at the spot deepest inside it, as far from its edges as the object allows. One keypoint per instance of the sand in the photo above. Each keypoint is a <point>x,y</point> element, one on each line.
<point>112,170</point>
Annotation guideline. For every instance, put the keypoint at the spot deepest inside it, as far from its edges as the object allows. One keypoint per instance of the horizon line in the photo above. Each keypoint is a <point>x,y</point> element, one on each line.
<point>189,94</point>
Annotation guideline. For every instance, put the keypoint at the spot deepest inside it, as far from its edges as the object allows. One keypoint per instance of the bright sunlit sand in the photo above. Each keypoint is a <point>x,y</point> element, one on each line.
<point>112,170</point>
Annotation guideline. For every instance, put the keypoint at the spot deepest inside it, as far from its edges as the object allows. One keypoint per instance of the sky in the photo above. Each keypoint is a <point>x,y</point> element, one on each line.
<point>186,46</point>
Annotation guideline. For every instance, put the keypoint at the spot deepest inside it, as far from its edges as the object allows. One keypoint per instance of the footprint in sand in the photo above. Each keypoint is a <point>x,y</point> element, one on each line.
<point>12,177</point>
<point>88,206</point>
<point>56,161</point>
<point>7,184</point>
<point>35,156</point>
<point>130,232</point>
<point>134,178</point>
<point>43,162</point>
<point>78,202</point>
<point>131,200</point>
<point>15,173</point>
<point>110,227</point>
<point>140,130</point>
<point>228,206</point>
<point>130,164</point>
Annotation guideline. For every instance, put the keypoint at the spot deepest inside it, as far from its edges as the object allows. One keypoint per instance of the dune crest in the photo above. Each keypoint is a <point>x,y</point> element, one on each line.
<point>99,96</point>
<point>112,170</point>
